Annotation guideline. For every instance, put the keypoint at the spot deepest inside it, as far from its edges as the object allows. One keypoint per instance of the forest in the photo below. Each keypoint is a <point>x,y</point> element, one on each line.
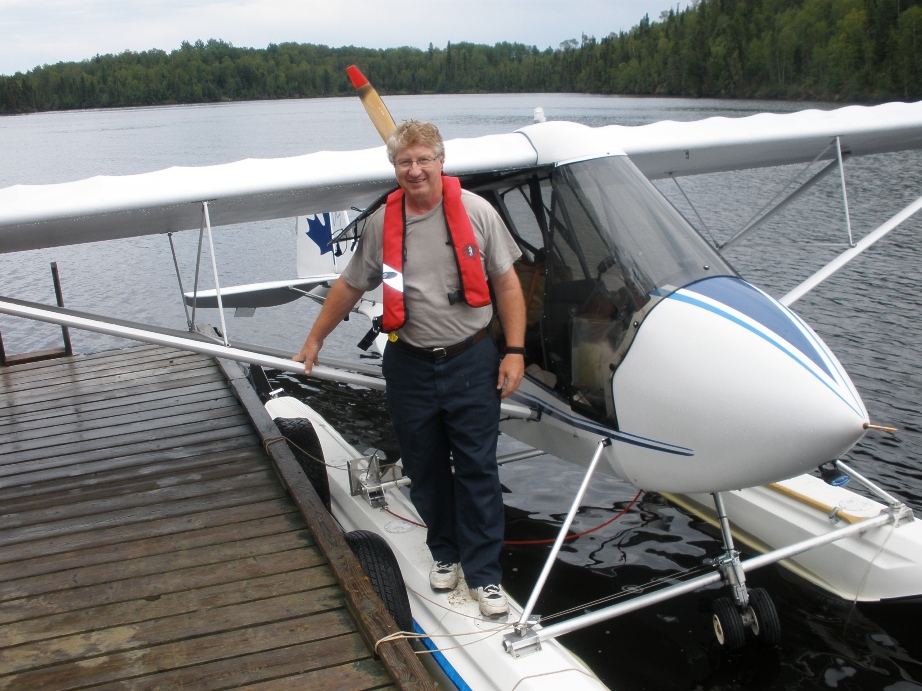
<point>843,50</point>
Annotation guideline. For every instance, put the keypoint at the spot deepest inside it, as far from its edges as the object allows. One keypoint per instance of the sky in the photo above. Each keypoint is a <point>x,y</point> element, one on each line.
<point>37,32</point>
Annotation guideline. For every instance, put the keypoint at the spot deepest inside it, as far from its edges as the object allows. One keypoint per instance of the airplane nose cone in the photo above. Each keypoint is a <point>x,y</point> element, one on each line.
<point>725,371</point>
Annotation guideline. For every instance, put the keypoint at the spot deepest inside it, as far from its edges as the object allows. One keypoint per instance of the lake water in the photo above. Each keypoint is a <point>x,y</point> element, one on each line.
<point>868,314</point>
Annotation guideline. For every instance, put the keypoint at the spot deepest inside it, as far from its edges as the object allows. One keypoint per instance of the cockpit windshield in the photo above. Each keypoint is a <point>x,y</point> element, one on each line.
<point>610,218</point>
<point>614,247</point>
<point>601,246</point>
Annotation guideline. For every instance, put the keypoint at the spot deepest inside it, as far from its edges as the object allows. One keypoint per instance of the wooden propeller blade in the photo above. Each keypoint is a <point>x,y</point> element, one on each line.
<point>374,106</point>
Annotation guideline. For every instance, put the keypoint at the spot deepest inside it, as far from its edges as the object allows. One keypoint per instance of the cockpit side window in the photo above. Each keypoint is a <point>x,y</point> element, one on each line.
<point>522,204</point>
<point>617,247</point>
<point>588,306</point>
<point>601,247</point>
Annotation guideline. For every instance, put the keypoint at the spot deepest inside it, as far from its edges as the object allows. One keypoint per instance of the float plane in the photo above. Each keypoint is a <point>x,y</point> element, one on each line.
<point>647,354</point>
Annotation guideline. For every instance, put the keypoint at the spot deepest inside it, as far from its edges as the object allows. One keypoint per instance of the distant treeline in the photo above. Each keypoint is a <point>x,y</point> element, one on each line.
<point>857,50</point>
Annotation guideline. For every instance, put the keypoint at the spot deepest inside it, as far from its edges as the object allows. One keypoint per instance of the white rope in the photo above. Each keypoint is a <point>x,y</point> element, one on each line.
<point>273,440</point>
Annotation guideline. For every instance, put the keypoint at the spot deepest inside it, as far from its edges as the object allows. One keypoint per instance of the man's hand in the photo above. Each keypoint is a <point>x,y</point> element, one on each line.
<point>339,302</point>
<point>511,371</point>
<point>309,354</point>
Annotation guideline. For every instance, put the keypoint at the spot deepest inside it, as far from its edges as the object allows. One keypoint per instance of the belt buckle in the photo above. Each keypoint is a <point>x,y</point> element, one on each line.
<point>439,353</point>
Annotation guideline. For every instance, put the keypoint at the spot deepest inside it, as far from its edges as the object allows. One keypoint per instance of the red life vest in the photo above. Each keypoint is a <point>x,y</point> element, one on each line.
<point>474,287</point>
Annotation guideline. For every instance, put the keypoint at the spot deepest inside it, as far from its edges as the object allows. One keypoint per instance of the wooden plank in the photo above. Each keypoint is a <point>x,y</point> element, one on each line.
<point>122,565</point>
<point>356,676</point>
<point>56,377</point>
<point>33,568</point>
<point>31,571</point>
<point>55,505</point>
<point>87,476</point>
<point>61,421</point>
<point>182,435</point>
<point>268,665</point>
<point>11,411</point>
<point>35,356</point>
<point>110,502</point>
<point>156,606</point>
<point>143,537</point>
<point>101,354</point>
<point>228,511</point>
<point>371,616</point>
<point>112,382</point>
<point>128,667</point>
<point>84,433</point>
<point>123,568</point>
<point>143,514</point>
<point>36,472</point>
<point>157,631</point>
<point>120,435</point>
<point>78,366</point>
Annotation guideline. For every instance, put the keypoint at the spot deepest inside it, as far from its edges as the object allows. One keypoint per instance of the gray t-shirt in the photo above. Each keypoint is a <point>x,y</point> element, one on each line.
<point>430,271</point>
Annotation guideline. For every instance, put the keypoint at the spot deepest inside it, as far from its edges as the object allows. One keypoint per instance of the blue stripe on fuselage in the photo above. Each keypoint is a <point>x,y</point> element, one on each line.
<point>680,297</point>
<point>745,299</point>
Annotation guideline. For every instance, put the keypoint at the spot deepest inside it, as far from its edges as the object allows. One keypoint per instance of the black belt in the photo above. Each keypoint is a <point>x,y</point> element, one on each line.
<point>438,353</point>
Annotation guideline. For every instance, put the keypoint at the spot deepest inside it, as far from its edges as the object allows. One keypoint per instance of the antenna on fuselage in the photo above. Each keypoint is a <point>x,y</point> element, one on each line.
<point>374,106</point>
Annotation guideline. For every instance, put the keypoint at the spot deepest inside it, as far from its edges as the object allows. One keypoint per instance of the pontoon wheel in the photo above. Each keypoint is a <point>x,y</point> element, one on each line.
<point>380,565</point>
<point>728,625</point>
<point>300,433</point>
<point>766,626</point>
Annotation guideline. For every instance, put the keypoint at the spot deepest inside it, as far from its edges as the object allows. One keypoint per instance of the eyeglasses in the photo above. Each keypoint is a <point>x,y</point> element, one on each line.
<point>422,162</point>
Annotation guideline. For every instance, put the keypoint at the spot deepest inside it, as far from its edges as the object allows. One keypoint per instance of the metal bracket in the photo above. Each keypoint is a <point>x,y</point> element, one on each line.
<point>524,640</point>
<point>729,563</point>
<point>901,514</point>
<point>732,571</point>
<point>365,481</point>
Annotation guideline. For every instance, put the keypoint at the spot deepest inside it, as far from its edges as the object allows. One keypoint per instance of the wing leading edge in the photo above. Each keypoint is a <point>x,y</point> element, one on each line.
<point>107,207</point>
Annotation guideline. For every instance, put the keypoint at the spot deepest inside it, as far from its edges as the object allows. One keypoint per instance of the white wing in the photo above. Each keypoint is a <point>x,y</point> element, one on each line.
<point>104,208</point>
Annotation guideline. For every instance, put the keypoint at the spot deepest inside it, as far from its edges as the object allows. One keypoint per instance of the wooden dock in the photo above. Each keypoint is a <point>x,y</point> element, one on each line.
<point>147,541</point>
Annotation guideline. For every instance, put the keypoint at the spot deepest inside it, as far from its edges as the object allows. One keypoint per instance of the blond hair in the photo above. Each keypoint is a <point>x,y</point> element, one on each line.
<point>411,133</point>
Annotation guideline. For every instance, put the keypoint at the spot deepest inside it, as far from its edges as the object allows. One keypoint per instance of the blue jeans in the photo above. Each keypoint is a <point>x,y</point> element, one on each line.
<point>442,411</point>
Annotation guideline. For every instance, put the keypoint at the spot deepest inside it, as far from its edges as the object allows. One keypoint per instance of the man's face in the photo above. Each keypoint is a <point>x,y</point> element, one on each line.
<point>422,184</point>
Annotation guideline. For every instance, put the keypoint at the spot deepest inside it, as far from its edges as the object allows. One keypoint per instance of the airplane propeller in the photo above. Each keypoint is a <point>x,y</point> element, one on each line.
<point>374,106</point>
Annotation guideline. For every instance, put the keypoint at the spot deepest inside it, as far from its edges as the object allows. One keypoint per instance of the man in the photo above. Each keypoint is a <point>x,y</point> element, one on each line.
<point>435,246</point>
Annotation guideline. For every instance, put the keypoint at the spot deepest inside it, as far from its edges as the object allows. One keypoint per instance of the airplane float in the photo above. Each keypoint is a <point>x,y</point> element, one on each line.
<point>647,355</point>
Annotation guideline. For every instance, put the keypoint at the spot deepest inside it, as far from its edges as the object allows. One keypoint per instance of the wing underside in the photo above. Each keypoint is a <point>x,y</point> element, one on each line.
<point>109,207</point>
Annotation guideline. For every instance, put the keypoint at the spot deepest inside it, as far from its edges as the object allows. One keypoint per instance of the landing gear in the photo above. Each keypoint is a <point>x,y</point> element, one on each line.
<point>728,625</point>
<point>765,626</point>
<point>747,608</point>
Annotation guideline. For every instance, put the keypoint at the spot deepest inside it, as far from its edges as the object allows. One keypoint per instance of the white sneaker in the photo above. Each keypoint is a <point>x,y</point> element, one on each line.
<point>492,601</point>
<point>443,575</point>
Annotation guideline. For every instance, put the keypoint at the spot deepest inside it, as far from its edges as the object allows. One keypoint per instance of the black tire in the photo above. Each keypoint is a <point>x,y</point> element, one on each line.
<point>299,431</point>
<point>728,625</point>
<point>766,626</point>
<point>380,565</point>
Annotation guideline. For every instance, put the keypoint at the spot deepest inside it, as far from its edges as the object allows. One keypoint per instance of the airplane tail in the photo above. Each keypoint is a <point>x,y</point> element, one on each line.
<point>315,254</point>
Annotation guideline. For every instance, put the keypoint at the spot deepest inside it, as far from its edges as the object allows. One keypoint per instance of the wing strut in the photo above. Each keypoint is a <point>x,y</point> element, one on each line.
<point>175,339</point>
<point>193,342</point>
<point>704,227</point>
<point>841,161</point>
<point>179,279</point>
<point>850,254</point>
<point>759,220</point>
